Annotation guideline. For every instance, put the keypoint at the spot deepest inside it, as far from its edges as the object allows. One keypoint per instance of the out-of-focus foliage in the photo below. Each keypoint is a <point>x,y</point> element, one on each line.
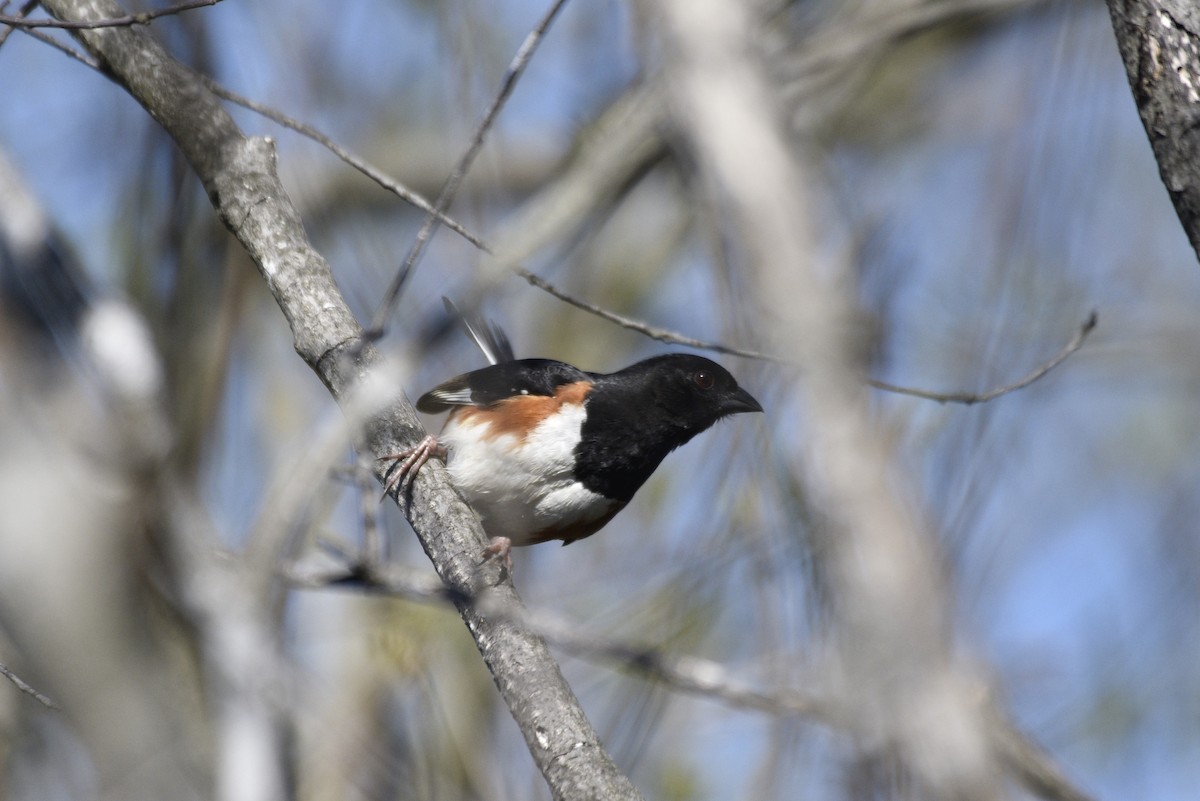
<point>986,176</point>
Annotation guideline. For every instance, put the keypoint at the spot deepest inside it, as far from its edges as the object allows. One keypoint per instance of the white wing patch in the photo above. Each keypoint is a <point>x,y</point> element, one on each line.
<point>454,397</point>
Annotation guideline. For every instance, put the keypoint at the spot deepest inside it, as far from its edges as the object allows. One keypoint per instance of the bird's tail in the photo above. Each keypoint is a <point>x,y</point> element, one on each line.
<point>490,337</point>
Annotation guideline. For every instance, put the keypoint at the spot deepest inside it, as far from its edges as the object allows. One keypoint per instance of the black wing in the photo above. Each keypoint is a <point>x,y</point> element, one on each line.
<point>493,384</point>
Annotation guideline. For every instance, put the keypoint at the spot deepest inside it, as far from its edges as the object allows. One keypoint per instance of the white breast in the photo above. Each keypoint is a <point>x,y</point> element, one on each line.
<point>522,486</point>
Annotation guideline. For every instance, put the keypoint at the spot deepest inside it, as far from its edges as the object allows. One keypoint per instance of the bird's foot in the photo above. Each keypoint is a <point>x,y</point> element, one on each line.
<point>408,462</point>
<point>500,548</point>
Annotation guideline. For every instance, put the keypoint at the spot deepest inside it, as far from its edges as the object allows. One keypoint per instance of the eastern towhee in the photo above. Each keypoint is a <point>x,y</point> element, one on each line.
<point>545,451</point>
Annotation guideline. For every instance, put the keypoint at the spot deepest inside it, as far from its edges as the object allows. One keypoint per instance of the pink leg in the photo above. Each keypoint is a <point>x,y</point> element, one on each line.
<point>409,462</point>
<point>500,548</point>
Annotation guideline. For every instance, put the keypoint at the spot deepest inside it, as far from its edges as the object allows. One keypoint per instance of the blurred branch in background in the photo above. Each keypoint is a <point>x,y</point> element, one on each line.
<point>562,208</point>
<point>897,679</point>
<point>516,69</point>
<point>85,437</point>
<point>26,687</point>
<point>856,583</point>
<point>240,178</point>
<point>969,398</point>
<point>1029,763</point>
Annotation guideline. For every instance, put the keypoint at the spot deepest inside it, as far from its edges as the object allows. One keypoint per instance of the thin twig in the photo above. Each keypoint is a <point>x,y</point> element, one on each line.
<point>693,675</point>
<point>703,678</point>
<point>26,688</point>
<point>969,398</point>
<point>666,335</point>
<point>661,334</point>
<point>140,18</point>
<point>25,11</point>
<point>64,48</point>
<point>1034,766</point>
<point>355,161</point>
<point>414,198</point>
<point>515,69</point>
<point>686,674</point>
<point>437,216</point>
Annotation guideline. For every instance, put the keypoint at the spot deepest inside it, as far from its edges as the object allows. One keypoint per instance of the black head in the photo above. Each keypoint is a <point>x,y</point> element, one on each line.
<point>640,414</point>
<point>693,391</point>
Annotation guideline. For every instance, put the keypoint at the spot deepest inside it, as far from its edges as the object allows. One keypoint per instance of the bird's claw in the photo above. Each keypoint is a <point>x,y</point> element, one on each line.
<point>408,462</point>
<point>500,548</point>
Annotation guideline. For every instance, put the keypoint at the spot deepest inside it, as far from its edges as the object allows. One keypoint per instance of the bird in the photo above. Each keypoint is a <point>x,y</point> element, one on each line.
<point>544,451</point>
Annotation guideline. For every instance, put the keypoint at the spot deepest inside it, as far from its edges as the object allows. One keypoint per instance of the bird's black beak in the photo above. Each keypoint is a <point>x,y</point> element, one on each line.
<point>739,401</point>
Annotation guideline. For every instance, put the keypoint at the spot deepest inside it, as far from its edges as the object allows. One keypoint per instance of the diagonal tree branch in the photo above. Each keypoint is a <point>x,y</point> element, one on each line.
<point>638,148</point>
<point>22,13</point>
<point>1028,761</point>
<point>26,687</point>
<point>1160,45</point>
<point>357,162</point>
<point>240,177</point>
<point>140,18</point>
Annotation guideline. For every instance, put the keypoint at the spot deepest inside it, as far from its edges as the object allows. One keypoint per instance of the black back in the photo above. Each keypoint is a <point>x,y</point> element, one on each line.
<point>492,384</point>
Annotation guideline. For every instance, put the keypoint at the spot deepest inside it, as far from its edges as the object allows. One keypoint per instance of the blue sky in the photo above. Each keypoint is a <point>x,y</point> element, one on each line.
<point>1007,192</point>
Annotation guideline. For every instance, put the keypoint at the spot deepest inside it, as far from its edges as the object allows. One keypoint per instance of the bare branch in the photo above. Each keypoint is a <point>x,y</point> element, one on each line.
<point>515,69</point>
<point>667,335</point>
<point>639,326</point>
<point>26,687</point>
<point>239,175</point>
<point>890,599</point>
<point>354,160</point>
<point>1160,45</point>
<point>140,18</point>
<point>902,24</point>
<point>970,398</point>
<point>661,334</point>
<point>415,199</point>
<point>63,48</point>
<point>684,674</point>
<point>25,11</point>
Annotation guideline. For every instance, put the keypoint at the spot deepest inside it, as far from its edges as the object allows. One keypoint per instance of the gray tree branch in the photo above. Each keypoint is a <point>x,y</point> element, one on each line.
<point>26,687</point>
<point>1024,758</point>
<point>1160,45</point>
<point>239,175</point>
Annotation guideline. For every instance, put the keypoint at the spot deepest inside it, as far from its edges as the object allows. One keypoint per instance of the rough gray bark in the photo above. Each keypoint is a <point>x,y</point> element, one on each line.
<point>239,175</point>
<point>1160,45</point>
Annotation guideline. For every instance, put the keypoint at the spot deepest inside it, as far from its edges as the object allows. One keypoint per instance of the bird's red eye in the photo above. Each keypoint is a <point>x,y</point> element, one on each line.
<point>704,379</point>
